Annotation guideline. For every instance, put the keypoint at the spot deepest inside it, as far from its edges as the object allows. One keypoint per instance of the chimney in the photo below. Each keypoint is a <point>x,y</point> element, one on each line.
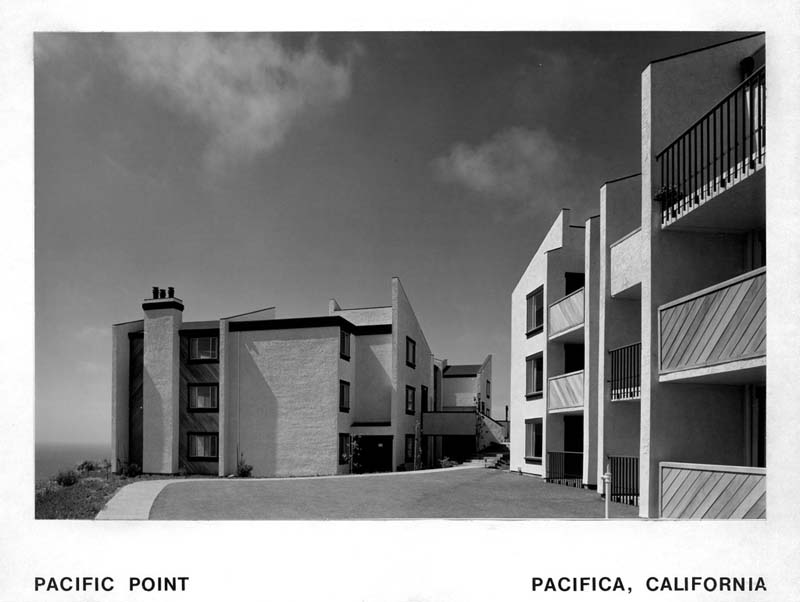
<point>163,318</point>
<point>171,292</point>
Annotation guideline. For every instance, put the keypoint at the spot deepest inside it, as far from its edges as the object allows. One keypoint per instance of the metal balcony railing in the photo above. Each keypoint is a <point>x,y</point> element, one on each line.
<point>624,479</point>
<point>626,380</point>
<point>565,468</point>
<point>724,145</point>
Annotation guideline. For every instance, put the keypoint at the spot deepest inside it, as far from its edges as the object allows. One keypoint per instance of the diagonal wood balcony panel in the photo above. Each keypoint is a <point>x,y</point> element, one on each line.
<point>712,491</point>
<point>565,392</point>
<point>565,314</point>
<point>723,323</point>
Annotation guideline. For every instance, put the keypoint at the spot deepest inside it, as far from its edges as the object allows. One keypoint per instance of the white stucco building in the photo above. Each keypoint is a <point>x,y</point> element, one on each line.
<point>317,395</point>
<point>552,407</point>
<point>674,316</point>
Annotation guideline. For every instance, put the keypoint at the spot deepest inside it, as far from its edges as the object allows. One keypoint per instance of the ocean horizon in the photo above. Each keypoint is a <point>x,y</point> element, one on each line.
<point>51,458</point>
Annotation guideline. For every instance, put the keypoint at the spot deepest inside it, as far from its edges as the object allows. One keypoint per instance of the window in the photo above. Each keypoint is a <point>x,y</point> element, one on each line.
<point>533,440</point>
<point>488,389</point>
<point>533,376</point>
<point>411,352</point>
<point>423,398</point>
<point>344,345</point>
<point>409,448</point>
<point>411,394</point>
<point>344,396</point>
<point>203,397</point>
<point>344,448</point>
<point>203,446</point>
<point>204,349</point>
<point>535,313</point>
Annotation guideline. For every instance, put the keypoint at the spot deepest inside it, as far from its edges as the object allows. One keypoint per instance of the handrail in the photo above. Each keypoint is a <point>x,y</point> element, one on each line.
<point>575,292</point>
<point>713,288</point>
<point>746,82</point>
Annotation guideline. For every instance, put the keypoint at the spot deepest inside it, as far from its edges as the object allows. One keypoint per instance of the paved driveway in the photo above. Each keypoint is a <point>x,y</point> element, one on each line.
<point>465,493</point>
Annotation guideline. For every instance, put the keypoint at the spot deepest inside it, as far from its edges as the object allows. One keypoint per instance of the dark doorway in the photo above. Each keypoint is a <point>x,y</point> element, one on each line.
<point>373,454</point>
<point>573,446</point>
<point>573,281</point>
<point>573,357</point>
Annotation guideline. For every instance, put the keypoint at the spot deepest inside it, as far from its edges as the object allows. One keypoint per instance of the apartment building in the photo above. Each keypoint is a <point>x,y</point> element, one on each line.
<point>318,395</point>
<point>703,283</point>
<point>672,318</point>
<point>458,420</point>
<point>553,372</point>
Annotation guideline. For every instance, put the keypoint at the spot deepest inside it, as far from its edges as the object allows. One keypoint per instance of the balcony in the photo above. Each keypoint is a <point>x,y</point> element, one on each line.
<point>721,155</point>
<point>626,379</point>
<point>565,318</point>
<point>716,335</point>
<point>565,392</point>
<point>711,491</point>
<point>625,257</point>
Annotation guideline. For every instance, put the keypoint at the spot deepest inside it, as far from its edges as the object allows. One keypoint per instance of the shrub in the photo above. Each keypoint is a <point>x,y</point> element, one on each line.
<point>87,466</point>
<point>130,470</point>
<point>67,478</point>
<point>447,463</point>
<point>243,469</point>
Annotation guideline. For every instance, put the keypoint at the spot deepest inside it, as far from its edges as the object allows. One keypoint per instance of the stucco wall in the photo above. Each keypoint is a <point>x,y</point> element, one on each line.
<point>405,324</point>
<point>161,386</point>
<point>522,346</point>
<point>626,263</point>
<point>590,362</point>
<point>372,397</point>
<point>675,93</point>
<point>120,365</point>
<point>282,401</point>
<point>449,423</point>
<point>459,392</point>
<point>619,323</point>
<point>366,316</point>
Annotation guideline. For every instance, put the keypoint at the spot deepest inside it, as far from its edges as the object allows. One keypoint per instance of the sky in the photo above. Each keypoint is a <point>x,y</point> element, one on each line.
<point>257,170</point>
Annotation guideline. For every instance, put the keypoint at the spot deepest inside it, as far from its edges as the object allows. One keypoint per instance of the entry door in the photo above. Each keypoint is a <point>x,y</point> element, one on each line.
<point>375,453</point>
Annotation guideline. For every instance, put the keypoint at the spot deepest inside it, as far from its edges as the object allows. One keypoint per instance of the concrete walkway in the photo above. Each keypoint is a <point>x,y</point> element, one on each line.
<point>134,501</point>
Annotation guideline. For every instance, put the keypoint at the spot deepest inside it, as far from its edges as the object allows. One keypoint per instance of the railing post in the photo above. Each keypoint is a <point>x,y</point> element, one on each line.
<point>607,487</point>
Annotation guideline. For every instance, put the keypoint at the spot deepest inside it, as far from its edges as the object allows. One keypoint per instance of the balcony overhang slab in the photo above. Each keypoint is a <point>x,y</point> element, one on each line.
<point>739,207</point>
<point>739,372</point>
<point>570,335</point>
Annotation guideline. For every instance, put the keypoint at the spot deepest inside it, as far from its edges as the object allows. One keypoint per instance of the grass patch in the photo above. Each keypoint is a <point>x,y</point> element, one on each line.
<point>85,498</point>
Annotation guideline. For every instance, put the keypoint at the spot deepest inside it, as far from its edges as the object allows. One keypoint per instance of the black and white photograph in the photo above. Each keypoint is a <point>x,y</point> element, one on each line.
<point>337,231</point>
<point>405,298</point>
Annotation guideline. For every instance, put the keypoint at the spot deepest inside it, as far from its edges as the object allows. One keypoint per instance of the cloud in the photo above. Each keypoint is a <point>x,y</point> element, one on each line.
<point>248,91</point>
<point>516,163</point>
